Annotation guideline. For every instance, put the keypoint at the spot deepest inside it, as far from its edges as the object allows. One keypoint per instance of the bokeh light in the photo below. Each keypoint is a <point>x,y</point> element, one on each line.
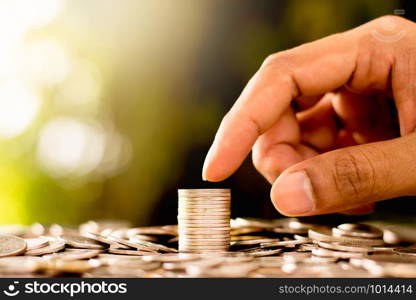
<point>19,106</point>
<point>70,147</point>
<point>45,62</point>
<point>81,89</point>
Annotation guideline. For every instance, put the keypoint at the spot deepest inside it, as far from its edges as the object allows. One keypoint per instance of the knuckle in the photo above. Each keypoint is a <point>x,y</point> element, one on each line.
<point>354,175</point>
<point>281,60</point>
<point>392,19</point>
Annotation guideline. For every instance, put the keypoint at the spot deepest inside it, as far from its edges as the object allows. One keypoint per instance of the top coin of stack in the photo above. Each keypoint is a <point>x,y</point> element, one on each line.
<point>204,220</point>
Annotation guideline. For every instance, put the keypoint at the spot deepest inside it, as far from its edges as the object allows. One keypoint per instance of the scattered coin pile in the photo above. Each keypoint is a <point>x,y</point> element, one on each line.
<point>258,248</point>
<point>204,220</point>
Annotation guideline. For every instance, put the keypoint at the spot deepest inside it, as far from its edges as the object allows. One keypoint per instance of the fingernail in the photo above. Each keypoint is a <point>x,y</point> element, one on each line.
<point>292,194</point>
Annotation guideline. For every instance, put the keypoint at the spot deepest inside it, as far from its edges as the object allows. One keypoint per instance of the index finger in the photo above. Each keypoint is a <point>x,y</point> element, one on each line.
<point>311,69</point>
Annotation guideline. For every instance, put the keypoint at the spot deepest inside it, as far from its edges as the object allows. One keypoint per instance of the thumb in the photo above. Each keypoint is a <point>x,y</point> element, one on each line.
<point>345,178</point>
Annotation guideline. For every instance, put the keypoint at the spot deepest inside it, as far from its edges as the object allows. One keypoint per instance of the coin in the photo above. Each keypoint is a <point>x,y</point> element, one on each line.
<point>207,219</point>
<point>79,241</point>
<point>405,251</point>
<point>205,222</point>
<point>345,247</point>
<point>74,255</point>
<point>11,245</point>
<point>53,246</point>
<point>205,199</point>
<point>205,213</point>
<point>325,235</point>
<point>101,239</point>
<point>289,243</point>
<point>265,252</point>
<point>203,191</point>
<point>35,243</point>
<point>338,254</point>
<point>72,266</point>
<point>197,231</point>
<point>252,248</point>
<point>130,244</point>
<point>154,246</point>
<point>253,241</point>
<point>206,236</point>
<point>200,242</point>
<point>129,252</point>
<point>358,230</point>
<point>153,230</point>
<point>21,264</point>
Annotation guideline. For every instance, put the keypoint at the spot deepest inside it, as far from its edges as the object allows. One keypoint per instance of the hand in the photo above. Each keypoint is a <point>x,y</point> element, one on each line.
<point>337,151</point>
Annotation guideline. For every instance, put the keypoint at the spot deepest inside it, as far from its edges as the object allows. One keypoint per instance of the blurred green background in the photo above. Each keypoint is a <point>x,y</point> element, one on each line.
<point>107,107</point>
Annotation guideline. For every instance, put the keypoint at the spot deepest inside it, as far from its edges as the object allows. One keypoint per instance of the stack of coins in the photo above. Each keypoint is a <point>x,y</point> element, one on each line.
<point>204,220</point>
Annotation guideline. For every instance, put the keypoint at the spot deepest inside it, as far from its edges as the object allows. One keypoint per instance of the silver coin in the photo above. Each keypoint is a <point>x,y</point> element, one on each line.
<point>204,212</point>
<point>358,230</point>
<point>35,243</point>
<point>53,246</point>
<point>220,221</point>
<point>406,251</point>
<point>79,241</point>
<point>302,238</point>
<point>224,214</point>
<point>171,257</point>
<point>154,246</point>
<point>307,247</point>
<point>129,252</point>
<point>290,243</point>
<point>208,222</point>
<point>104,240</point>
<point>72,266</point>
<point>345,247</point>
<point>130,244</point>
<point>208,230</point>
<point>325,235</point>
<point>200,242</point>
<point>74,255</point>
<point>205,215</point>
<point>338,254</point>
<point>207,227</point>
<point>204,199</point>
<point>265,252</point>
<point>211,207</point>
<point>21,264</point>
<point>11,245</point>
<point>199,219</point>
<point>202,247</point>
<point>153,230</point>
<point>201,191</point>
<point>205,236</point>
<point>206,204</point>
<point>253,242</point>
<point>296,257</point>
<point>204,233</point>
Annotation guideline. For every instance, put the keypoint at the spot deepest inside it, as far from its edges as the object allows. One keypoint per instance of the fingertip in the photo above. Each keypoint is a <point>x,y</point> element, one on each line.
<point>292,194</point>
<point>211,173</point>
